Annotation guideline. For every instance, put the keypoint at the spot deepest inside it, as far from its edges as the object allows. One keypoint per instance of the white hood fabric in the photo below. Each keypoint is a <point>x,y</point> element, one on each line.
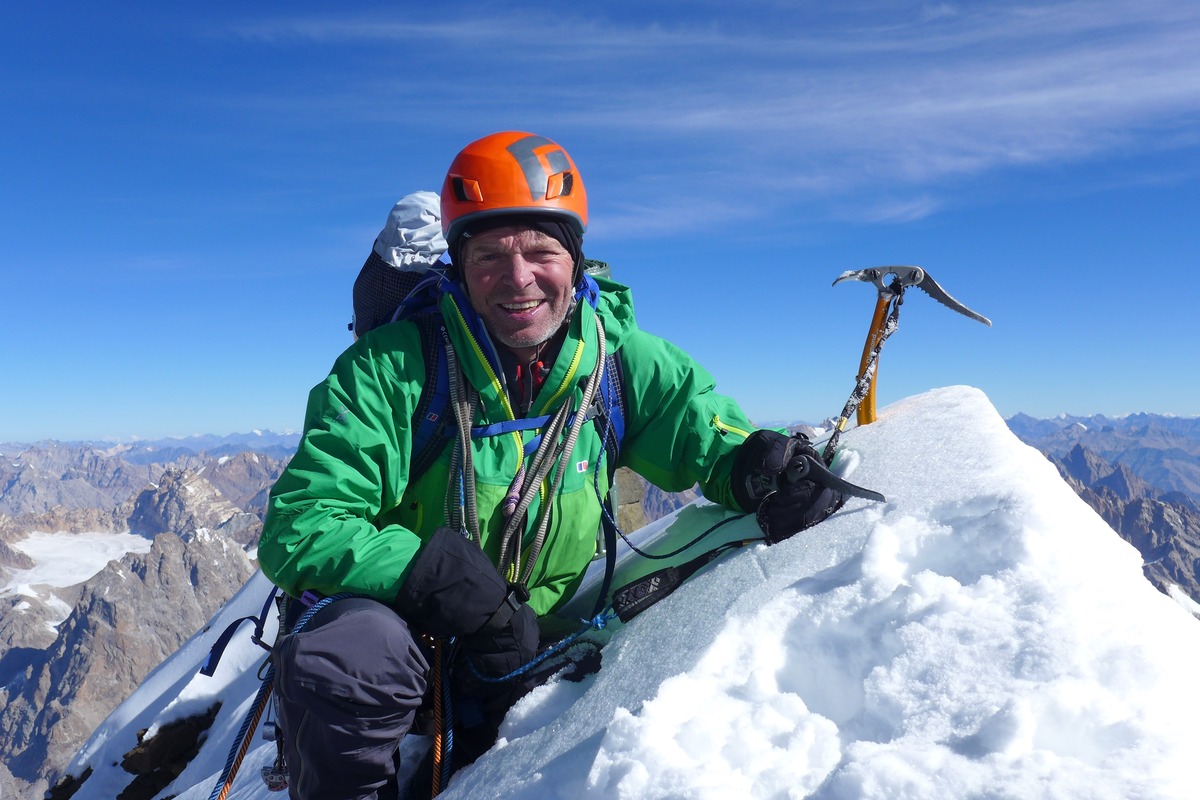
<point>412,240</point>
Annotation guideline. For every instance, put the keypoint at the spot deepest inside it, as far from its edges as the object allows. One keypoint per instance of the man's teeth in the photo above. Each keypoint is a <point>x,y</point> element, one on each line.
<point>528,304</point>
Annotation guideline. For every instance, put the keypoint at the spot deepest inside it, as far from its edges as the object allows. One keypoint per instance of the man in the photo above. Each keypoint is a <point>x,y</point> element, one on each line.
<point>500,529</point>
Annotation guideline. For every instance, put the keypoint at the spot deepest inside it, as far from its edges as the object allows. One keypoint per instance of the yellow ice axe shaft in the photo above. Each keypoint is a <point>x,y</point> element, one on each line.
<point>866,409</point>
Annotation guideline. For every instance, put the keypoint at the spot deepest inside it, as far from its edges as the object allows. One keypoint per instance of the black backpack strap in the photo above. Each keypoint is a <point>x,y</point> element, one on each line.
<point>610,422</point>
<point>619,407</point>
<point>431,421</point>
<point>209,667</point>
<point>608,521</point>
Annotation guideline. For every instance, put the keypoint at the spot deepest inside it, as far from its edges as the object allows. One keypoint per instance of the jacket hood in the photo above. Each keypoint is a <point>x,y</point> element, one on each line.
<point>615,306</point>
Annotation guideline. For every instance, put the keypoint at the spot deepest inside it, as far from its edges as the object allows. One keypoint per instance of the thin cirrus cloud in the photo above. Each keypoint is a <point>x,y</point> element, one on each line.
<point>906,99</point>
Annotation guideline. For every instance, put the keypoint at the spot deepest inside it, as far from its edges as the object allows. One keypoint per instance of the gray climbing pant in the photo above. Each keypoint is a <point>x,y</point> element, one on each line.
<point>348,689</point>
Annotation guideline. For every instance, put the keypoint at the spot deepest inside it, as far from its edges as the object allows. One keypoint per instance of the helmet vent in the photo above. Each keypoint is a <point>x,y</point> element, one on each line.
<point>466,190</point>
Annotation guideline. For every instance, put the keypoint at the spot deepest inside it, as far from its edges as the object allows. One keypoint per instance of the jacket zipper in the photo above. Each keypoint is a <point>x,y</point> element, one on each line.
<point>726,428</point>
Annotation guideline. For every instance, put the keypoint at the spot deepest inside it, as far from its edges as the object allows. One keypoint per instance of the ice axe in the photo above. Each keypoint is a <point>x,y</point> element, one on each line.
<point>891,282</point>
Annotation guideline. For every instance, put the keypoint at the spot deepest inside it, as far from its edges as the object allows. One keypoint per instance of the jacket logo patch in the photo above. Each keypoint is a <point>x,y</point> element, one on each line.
<point>582,466</point>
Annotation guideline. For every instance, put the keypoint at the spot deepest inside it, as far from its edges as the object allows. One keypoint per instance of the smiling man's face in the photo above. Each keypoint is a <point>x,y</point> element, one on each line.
<point>519,281</point>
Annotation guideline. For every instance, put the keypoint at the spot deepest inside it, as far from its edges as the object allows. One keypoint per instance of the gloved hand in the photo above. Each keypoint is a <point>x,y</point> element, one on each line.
<point>764,481</point>
<point>454,590</point>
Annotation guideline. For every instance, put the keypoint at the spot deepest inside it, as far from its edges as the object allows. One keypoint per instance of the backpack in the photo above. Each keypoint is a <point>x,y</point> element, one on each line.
<point>406,249</point>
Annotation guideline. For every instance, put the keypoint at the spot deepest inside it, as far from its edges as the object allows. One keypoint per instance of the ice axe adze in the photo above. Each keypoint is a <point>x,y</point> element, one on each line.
<point>891,282</point>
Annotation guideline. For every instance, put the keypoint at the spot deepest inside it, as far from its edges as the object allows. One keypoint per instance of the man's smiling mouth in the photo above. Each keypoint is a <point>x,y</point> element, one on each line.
<point>522,306</point>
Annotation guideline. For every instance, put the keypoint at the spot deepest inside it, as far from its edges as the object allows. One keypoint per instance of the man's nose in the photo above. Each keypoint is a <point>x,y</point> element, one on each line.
<point>519,271</point>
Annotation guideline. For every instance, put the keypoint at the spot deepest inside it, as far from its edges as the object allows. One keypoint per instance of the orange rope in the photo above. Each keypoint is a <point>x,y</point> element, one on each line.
<point>439,730</point>
<point>258,712</point>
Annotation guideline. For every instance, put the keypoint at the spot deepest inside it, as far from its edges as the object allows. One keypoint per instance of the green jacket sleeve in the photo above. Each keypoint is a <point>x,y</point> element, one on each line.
<point>680,431</point>
<point>320,530</point>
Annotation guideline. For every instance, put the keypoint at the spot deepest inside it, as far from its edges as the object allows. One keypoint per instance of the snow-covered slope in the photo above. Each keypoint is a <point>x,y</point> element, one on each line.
<point>983,633</point>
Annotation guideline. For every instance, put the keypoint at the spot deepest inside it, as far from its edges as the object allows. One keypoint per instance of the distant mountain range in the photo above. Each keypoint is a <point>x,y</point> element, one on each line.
<point>1163,451</point>
<point>146,451</point>
<point>1141,473</point>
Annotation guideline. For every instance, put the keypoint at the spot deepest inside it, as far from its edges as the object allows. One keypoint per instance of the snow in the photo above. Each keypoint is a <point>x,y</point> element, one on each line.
<point>65,559</point>
<point>1181,597</point>
<point>982,633</point>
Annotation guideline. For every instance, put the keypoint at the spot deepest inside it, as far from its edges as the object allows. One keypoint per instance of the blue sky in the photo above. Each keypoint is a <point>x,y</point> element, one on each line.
<point>188,191</point>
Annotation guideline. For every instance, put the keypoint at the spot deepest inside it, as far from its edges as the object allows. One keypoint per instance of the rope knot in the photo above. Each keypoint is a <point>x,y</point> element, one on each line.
<point>601,620</point>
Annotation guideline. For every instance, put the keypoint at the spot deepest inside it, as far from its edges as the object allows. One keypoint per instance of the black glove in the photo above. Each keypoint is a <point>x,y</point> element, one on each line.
<point>764,481</point>
<point>453,590</point>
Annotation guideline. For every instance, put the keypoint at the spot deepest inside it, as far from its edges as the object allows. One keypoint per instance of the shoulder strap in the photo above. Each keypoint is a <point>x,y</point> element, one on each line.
<point>610,419</point>
<point>431,419</point>
<point>610,422</point>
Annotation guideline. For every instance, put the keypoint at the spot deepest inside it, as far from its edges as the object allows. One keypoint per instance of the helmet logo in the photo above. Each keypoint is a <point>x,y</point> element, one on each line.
<point>524,151</point>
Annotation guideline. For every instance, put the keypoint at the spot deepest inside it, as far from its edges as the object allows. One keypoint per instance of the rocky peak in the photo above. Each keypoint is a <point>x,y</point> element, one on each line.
<point>245,478</point>
<point>1124,484</point>
<point>1083,465</point>
<point>181,502</point>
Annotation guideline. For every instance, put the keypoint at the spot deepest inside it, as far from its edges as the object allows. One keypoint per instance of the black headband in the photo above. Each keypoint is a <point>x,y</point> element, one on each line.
<point>562,231</point>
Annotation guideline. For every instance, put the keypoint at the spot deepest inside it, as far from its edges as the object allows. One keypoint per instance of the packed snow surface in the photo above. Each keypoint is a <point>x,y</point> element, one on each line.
<point>981,634</point>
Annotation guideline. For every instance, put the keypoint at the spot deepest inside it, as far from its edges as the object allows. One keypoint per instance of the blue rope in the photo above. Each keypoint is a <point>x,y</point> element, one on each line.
<point>597,622</point>
<point>462,499</point>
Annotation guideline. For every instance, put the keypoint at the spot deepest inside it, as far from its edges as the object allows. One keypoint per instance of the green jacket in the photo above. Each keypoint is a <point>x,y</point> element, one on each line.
<point>343,517</point>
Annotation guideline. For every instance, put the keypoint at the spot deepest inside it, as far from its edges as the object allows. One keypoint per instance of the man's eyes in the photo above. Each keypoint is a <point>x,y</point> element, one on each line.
<point>488,259</point>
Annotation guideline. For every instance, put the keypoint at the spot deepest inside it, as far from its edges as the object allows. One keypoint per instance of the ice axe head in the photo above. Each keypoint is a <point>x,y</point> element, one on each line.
<point>890,282</point>
<point>903,276</point>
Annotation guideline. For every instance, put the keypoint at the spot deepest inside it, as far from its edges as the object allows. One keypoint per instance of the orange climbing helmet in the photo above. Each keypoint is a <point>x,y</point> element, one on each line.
<point>512,173</point>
